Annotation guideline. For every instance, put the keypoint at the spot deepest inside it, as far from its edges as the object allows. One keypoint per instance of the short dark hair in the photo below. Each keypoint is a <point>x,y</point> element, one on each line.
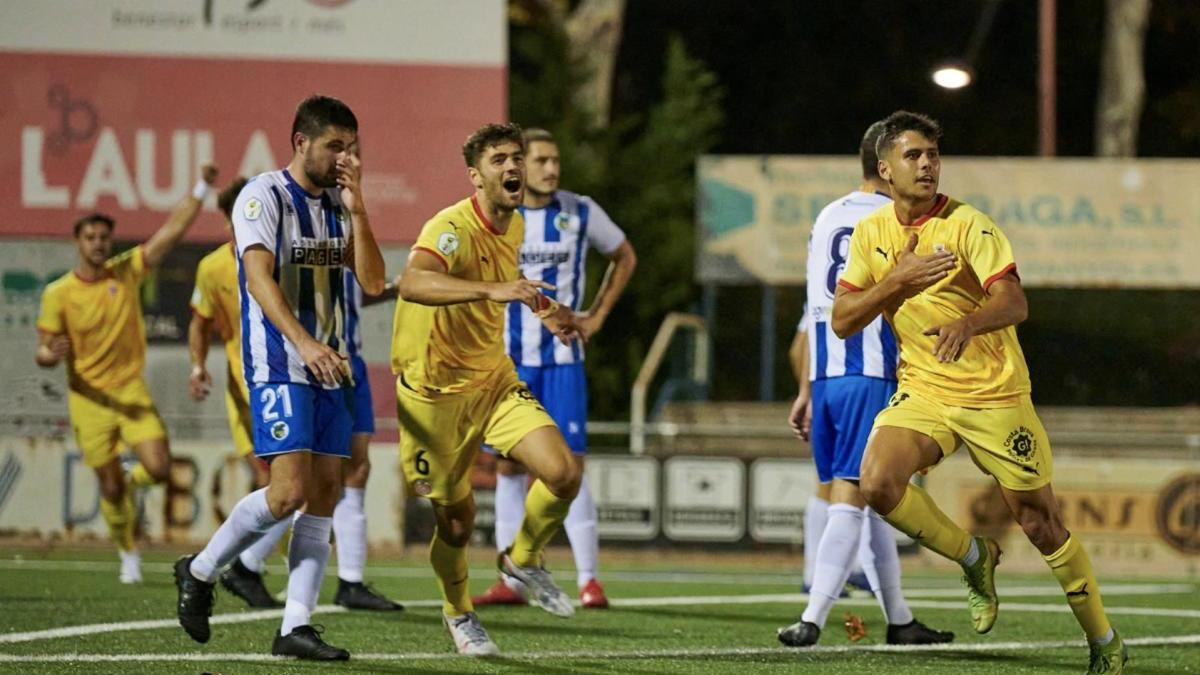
<point>96,217</point>
<point>538,135</point>
<point>866,150</point>
<point>316,113</point>
<point>490,135</point>
<point>229,195</point>
<point>901,121</point>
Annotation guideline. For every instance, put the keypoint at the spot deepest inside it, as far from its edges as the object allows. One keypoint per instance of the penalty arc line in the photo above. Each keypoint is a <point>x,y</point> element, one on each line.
<point>583,655</point>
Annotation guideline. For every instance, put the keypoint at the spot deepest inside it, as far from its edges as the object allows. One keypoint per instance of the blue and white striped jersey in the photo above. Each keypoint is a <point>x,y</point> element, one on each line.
<point>308,235</point>
<point>354,304</point>
<point>555,251</point>
<point>873,351</point>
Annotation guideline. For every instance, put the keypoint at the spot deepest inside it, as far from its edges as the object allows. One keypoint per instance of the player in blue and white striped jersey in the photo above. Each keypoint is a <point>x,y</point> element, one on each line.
<point>851,381</point>
<point>296,229</point>
<point>560,227</point>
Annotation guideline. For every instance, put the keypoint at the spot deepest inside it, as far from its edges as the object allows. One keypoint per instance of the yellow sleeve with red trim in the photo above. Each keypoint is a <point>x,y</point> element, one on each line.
<point>50,318</point>
<point>988,251</point>
<point>444,240</point>
<point>858,276</point>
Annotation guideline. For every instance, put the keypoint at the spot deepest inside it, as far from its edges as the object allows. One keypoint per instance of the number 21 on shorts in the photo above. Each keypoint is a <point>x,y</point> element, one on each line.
<point>269,397</point>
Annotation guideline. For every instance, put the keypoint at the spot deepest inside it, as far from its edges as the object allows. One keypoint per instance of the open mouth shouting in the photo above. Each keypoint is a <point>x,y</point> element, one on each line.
<point>512,186</point>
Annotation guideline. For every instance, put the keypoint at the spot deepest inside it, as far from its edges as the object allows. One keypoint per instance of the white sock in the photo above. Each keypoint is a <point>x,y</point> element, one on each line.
<point>882,566</point>
<point>1104,639</point>
<point>816,513</point>
<point>581,531</point>
<point>510,508</point>
<point>248,521</point>
<point>307,556</point>
<point>857,567</point>
<point>350,533</point>
<point>254,558</point>
<point>972,555</point>
<point>835,554</point>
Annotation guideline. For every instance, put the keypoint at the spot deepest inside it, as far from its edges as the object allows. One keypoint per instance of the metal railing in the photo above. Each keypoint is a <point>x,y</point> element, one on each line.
<point>675,321</point>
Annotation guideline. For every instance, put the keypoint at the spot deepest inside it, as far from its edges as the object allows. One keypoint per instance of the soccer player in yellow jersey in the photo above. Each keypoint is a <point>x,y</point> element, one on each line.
<point>216,309</point>
<point>92,318</point>
<point>944,276</point>
<point>456,386</point>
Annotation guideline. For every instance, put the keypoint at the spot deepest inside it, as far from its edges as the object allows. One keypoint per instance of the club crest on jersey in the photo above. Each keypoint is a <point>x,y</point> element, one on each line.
<point>253,209</point>
<point>448,243</point>
<point>280,430</point>
<point>309,252</point>
<point>562,221</point>
<point>1021,444</point>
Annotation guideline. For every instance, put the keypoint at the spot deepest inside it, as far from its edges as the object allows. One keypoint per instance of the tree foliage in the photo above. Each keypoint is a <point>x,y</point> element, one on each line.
<point>641,170</point>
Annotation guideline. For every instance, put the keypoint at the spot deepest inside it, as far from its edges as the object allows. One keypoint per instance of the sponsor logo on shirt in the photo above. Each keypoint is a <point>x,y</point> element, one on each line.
<point>308,252</point>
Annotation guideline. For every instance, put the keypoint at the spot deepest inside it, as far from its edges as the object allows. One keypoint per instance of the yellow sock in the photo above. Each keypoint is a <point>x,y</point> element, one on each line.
<point>450,565</point>
<point>140,477</point>
<point>120,519</point>
<point>1073,569</point>
<point>920,518</point>
<point>544,514</point>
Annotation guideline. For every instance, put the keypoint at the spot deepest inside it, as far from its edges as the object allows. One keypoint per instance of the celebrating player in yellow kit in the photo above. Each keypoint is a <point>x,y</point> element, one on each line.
<point>944,276</point>
<point>92,318</point>
<point>456,386</point>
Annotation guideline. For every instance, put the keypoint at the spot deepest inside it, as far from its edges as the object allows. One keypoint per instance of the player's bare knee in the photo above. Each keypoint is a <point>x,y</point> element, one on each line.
<point>507,467</point>
<point>357,473</point>
<point>563,478</point>
<point>1045,532</point>
<point>284,500</point>
<point>881,492</point>
<point>455,528</point>
<point>112,491</point>
<point>159,471</point>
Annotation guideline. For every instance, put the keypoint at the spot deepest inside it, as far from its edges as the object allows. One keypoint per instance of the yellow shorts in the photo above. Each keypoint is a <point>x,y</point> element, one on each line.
<point>102,420</point>
<point>440,436</point>
<point>1007,443</point>
<point>237,406</point>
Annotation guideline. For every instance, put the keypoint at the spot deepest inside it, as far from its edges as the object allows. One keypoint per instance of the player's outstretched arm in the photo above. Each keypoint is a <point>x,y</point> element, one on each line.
<point>51,349</point>
<point>1005,307</point>
<point>426,282</point>
<point>160,244</point>
<point>199,381</point>
<point>366,258</point>
<point>327,365</point>
<point>855,309</point>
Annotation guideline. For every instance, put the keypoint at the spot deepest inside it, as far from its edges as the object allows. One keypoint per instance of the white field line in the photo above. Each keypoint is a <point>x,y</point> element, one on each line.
<point>598,655</point>
<point>614,575</point>
<point>667,601</point>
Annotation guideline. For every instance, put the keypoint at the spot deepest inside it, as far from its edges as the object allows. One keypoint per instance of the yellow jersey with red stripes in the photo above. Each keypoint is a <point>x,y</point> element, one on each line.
<point>453,348</point>
<point>103,321</point>
<point>991,372</point>
<point>217,297</point>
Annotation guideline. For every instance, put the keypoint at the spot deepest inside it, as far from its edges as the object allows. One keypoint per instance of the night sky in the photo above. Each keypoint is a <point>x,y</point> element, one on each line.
<point>808,77</point>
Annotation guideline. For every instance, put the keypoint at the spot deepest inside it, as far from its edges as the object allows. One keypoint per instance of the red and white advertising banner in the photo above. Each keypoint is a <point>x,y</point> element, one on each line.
<point>111,105</point>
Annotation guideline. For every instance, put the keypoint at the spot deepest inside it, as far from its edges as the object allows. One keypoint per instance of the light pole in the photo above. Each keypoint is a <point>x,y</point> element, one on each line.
<point>1047,115</point>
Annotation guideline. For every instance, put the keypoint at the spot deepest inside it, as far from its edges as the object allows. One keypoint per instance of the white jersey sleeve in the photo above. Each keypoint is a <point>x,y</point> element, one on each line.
<point>256,216</point>
<point>603,234</point>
